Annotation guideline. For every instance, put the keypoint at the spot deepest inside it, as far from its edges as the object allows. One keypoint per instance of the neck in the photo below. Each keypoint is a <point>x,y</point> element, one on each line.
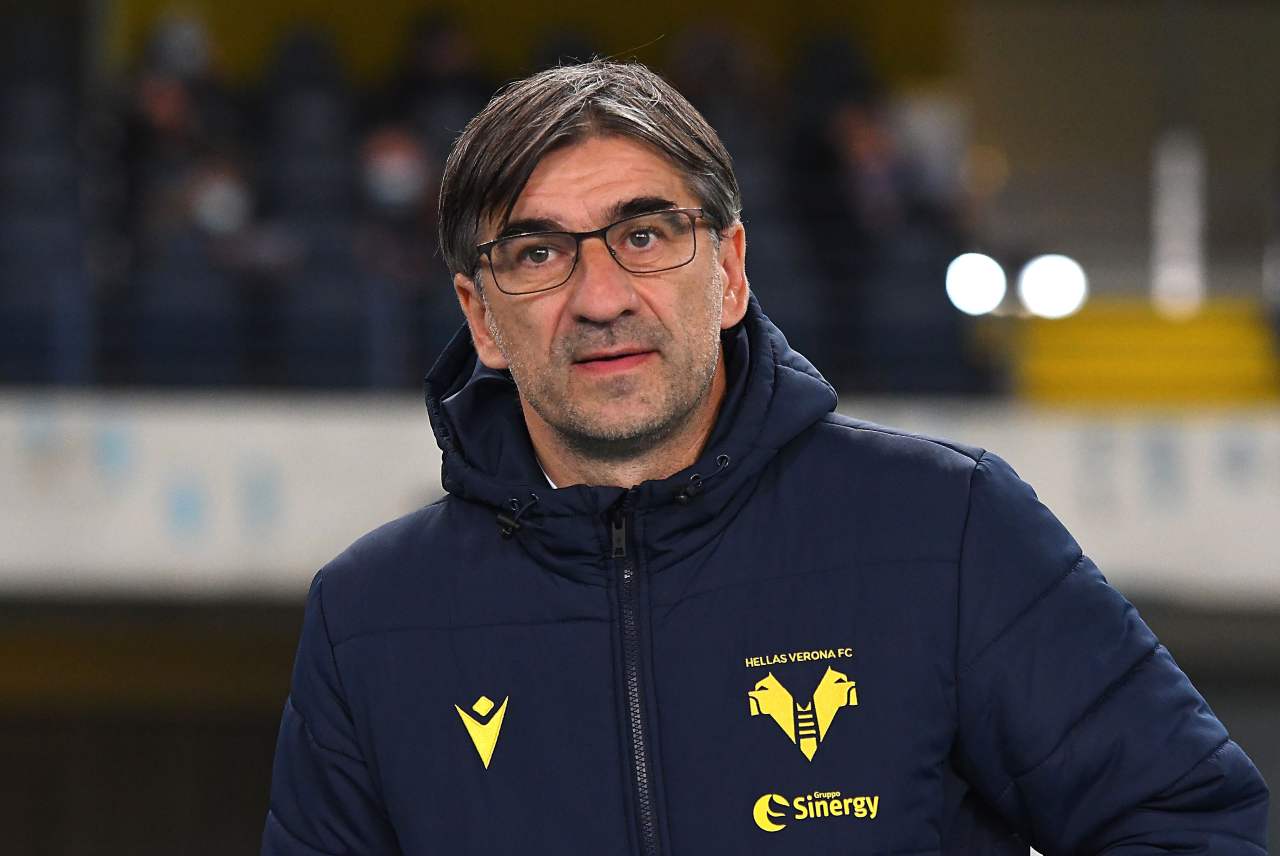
<point>566,466</point>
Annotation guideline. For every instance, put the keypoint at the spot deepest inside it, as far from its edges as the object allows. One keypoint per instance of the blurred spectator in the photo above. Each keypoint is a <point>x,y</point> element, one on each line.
<point>189,322</point>
<point>436,89</point>
<point>831,81</point>
<point>720,71</point>
<point>438,86</point>
<point>180,111</point>
<point>308,181</point>
<point>396,245</point>
<point>306,168</point>
<point>881,238</point>
<point>396,173</point>
<point>172,315</point>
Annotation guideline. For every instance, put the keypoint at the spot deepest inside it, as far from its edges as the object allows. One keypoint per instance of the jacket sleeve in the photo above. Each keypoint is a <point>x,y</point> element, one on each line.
<point>1075,724</point>
<point>323,800</point>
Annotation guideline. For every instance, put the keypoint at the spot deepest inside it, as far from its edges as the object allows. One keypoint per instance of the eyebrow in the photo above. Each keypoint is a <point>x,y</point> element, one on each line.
<point>638,205</point>
<point>617,211</point>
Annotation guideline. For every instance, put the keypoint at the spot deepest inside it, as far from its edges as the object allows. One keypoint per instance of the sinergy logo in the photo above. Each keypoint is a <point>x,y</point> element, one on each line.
<point>770,812</point>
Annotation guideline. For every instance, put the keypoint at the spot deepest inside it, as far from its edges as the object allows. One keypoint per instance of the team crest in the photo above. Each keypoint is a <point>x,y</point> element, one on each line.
<point>804,724</point>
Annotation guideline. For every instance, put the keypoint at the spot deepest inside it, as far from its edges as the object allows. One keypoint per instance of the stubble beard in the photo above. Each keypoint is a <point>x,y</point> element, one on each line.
<point>581,429</point>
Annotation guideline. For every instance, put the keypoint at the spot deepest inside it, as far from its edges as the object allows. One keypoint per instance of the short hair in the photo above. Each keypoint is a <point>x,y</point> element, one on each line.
<point>497,151</point>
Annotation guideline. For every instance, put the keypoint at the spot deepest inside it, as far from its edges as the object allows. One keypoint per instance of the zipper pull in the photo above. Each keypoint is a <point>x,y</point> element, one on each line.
<point>619,535</point>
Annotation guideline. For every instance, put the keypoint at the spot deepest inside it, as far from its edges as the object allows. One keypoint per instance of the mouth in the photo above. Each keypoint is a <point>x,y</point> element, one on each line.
<point>612,361</point>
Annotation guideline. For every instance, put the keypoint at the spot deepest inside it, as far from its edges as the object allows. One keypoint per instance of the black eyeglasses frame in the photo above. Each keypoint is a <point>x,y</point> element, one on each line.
<point>486,249</point>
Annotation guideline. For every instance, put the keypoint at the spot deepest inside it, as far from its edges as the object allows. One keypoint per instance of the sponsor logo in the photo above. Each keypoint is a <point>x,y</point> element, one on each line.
<point>773,812</point>
<point>766,818</point>
<point>484,726</point>
<point>805,725</point>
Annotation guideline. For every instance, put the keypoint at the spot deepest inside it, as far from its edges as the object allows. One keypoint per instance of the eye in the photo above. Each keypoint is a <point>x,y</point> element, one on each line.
<point>641,238</point>
<point>646,235</point>
<point>535,255</point>
<point>651,232</point>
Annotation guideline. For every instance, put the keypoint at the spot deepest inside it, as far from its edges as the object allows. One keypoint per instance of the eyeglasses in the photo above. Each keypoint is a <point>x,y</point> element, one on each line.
<point>644,243</point>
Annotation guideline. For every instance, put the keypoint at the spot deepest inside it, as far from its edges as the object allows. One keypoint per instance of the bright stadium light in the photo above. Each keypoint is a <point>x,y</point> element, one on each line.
<point>1053,286</point>
<point>975,283</point>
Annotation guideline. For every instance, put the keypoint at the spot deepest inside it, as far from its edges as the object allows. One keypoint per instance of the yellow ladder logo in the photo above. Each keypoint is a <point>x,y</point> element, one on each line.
<point>484,730</point>
<point>804,724</point>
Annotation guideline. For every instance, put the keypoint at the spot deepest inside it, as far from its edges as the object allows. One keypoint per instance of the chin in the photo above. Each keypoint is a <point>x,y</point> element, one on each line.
<point>624,427</point>
<point>618,439</point>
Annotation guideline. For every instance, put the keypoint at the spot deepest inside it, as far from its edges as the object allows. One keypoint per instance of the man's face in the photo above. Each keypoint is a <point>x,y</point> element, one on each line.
<point>611,361</point>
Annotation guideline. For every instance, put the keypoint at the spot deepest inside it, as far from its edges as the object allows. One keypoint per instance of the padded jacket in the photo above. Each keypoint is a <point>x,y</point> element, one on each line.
<point>825,637</point>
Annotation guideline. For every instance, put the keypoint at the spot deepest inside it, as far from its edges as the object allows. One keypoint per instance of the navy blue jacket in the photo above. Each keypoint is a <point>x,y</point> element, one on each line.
<point>824,637</point>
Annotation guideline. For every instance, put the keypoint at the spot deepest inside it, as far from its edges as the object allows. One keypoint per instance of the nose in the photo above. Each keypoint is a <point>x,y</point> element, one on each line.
<point>601,291</point>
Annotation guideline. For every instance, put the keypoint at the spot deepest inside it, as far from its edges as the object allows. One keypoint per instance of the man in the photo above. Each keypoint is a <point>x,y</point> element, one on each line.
<point>673,603</point>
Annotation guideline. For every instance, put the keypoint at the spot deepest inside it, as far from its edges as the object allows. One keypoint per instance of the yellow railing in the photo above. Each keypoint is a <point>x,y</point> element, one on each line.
<point>1122,351</point>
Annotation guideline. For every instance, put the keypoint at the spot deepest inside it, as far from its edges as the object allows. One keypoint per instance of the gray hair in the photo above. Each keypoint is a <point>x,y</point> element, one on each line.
<point>492,159</point>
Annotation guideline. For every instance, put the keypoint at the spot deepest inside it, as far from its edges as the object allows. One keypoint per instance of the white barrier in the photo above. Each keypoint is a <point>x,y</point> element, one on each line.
<point>234,495</point>
<point>199,494</point>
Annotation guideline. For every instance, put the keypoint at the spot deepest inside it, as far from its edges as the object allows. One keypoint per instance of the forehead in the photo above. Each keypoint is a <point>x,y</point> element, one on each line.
<point>576,184</point>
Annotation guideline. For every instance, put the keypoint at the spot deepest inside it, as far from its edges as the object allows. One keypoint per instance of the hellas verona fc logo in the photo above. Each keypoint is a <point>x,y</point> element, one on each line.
<point>804,724</point>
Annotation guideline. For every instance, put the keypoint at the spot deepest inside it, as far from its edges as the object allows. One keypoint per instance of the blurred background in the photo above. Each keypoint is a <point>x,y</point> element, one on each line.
<point>1050,228</point>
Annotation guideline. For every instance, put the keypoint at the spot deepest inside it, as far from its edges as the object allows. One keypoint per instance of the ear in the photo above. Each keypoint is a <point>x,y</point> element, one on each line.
<point>476,308</point>
<point>733,270</point>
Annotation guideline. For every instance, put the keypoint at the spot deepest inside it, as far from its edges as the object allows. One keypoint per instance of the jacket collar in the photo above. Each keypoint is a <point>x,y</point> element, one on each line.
<point>773,394</point>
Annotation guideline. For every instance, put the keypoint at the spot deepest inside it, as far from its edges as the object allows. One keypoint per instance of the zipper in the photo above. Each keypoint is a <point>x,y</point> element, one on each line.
<point>629,602</point>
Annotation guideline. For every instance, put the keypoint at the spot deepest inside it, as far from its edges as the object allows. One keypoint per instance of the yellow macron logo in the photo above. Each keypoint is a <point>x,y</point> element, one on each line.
<point>484,728</point>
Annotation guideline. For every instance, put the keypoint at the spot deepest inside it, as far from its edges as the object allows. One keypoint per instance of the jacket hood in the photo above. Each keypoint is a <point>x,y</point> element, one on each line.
<point>773,393</point>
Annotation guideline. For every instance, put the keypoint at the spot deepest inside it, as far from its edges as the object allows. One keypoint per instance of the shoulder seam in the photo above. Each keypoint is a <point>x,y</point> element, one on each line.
<point>956,669</point>
<point>961,670</point>
<point>333,655</point>
<point>905,435</point>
